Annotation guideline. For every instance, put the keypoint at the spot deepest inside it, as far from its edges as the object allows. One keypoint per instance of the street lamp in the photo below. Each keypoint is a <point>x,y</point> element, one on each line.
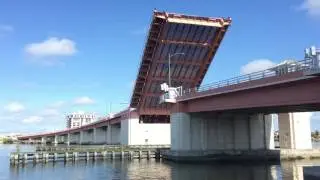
<point>169,75</point>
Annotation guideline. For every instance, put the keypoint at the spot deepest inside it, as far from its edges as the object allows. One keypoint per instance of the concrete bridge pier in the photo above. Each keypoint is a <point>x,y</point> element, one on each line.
<point>294,130</point>
<point>205,136</point>
<point>100,135</point>
<point>43,140</point>
<point>61,139</point>
<point>113,133</point>
<point>74,138</point>
<point>67,139</point>
<point>86,136</point>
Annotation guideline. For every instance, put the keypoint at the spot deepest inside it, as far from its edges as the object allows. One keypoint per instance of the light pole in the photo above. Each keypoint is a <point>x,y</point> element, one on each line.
<point>169,75</point>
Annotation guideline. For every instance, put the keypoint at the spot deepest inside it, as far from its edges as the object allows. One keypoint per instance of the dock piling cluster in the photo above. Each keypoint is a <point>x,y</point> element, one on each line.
<point>45,157</point>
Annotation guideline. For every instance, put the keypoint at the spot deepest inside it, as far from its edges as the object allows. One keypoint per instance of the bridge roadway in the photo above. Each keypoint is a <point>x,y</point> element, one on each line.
<point>266,91</point>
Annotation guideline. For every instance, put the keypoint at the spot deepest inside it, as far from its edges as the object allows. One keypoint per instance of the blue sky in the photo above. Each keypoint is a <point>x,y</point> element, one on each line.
<point>65,56</point>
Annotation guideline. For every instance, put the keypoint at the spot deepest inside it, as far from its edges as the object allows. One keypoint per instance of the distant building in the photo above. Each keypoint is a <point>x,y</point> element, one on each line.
<point>79,119</point>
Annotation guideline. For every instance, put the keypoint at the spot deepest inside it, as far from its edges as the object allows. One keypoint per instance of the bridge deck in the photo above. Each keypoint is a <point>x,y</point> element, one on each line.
<point>197,37</point>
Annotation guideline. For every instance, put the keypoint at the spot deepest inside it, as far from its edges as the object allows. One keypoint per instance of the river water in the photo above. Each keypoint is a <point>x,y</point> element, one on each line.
<point>144,169</point>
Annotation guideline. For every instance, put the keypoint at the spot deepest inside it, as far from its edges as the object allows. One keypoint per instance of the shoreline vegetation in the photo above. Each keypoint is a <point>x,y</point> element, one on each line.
<point>6,140</point>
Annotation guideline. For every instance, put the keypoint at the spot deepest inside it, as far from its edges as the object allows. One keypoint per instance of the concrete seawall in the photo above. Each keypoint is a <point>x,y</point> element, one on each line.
<point>221,155</point>
<point>289,154</point>
<point>239,155</point>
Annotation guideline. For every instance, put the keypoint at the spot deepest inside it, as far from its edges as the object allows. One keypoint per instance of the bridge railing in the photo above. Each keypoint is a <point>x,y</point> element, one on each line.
<point>278,70</point>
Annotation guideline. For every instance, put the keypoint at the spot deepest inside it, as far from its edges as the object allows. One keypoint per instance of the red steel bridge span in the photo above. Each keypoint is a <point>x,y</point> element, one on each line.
<point>198,38</point>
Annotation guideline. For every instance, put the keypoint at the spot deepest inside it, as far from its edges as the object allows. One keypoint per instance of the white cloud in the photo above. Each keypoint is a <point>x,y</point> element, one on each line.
<point>312,7</point>
<point>52,47</point>
<point>256,65</point>
<point>14,107</point>
<point>83,101</point>
<point>32,119</point>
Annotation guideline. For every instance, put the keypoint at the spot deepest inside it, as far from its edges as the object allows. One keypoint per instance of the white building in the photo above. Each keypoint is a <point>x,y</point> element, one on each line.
<point>79,119</point>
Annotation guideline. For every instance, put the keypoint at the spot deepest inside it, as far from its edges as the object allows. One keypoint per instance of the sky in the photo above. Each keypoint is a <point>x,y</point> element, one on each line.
<point>58,57</point>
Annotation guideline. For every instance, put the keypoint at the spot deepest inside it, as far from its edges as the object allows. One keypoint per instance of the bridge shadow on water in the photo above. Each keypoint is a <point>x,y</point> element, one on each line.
<point>152,169</point>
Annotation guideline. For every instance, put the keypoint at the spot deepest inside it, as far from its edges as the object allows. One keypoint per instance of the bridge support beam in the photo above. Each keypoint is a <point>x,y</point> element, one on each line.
<point>294,130</point>
<point>196,136</point>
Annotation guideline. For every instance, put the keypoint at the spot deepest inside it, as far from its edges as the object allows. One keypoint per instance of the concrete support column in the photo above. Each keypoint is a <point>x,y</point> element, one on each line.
<point>180,131</point>
<point>113,134</point>
<point>94,135</point>
<point>294,130</point>
<point>74,138</point>
<point>109,134</point>
<point>261,132</point>
<point>99,135</point>
<point>81,134</point>
<point>67,140</point>
<point>43,140</point>
<point>56,140</point>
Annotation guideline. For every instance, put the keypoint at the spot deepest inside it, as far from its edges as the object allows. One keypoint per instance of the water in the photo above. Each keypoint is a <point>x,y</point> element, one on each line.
<point>145,169</point>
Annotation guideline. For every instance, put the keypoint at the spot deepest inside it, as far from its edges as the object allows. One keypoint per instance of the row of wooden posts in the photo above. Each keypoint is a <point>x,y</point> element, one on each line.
<point>44,157</point>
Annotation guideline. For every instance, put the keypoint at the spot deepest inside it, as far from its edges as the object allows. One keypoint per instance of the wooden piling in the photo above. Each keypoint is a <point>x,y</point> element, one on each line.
<point>148,155</point>
<point>140,155</point>
<point>45,157</point>
<point>66,156</point>
<point>113,155</point>
<point>87,156</point>
<point>104,154</point>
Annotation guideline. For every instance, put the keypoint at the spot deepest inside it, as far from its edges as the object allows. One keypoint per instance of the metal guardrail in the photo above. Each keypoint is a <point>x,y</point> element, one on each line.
<point>279,70</point>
